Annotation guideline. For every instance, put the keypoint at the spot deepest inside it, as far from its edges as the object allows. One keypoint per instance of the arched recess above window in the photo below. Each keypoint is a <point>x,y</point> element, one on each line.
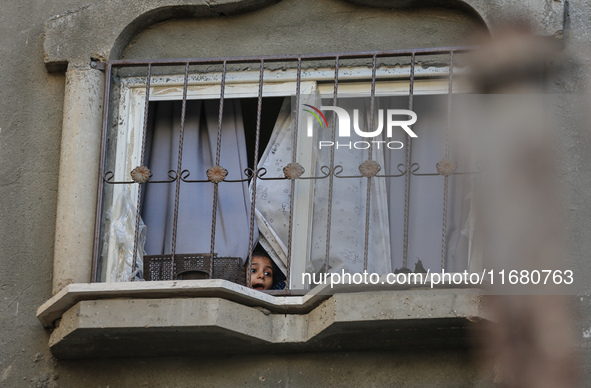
<point>290,27</point>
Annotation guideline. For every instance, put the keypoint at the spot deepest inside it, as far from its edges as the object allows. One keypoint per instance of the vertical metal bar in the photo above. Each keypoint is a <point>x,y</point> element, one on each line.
<point>178,171</point>
<point>256,172</point>
<point>446,178</point>
<point>368,194</point>
<point>99,205</point>
<point>294,154</point>
<point>217,163</point>
<point>140,185</point>
<point>372,100</point>
<point>408,163</point>
<point>331,177</point>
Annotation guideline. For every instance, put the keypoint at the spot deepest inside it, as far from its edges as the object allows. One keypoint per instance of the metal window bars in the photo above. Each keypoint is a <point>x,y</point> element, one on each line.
<point>332,171</point>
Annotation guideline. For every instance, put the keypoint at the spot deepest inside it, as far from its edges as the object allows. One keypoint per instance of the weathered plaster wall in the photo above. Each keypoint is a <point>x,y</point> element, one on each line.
<point>30,134</point>
<point>359,369</point>
<point>576,162</point>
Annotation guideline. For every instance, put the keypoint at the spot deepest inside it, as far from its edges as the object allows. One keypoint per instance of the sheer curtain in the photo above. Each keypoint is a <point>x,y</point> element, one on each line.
<point>426,193</point>
<point>387,202</point>
<point>349,199</point>
<point>272,205</point>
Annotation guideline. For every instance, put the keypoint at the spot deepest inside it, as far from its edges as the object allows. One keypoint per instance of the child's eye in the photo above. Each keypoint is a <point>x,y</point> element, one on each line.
<point>253,270</point>
<point>268,273</point>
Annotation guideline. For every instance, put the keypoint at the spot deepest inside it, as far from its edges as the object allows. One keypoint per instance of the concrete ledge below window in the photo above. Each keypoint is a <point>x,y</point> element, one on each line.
<point>206,318</point>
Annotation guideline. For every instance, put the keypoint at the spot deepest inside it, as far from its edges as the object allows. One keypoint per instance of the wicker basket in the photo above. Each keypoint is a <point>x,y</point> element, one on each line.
<point>194,266</point>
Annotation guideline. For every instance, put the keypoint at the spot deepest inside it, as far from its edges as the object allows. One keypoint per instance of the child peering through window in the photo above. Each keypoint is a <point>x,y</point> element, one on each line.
<point>264,274</point>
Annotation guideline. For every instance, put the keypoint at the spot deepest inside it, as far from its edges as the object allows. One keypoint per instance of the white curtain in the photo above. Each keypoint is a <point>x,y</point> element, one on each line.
<point>272,199</point>
<point>349,199</point>
<point>387,203</point>
<point>426,194</point>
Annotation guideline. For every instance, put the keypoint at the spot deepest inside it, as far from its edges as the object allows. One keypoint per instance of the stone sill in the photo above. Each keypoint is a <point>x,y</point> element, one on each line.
<point>201,318</point>
<point>56,306</point>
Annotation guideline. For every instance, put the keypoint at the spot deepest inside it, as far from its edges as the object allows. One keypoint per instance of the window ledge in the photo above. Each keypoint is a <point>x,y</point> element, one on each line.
<point>192,318</point>
<point>55,307</point>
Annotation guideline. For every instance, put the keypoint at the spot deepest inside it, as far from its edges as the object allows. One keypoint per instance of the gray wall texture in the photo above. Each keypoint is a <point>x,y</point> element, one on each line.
<point>30,133</point>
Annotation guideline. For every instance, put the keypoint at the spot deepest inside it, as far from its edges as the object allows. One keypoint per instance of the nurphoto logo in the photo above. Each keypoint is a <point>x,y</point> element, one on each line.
<point>393,119</point>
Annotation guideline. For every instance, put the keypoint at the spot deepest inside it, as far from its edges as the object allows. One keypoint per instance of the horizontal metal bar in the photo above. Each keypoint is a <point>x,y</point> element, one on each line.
<point>98,65</point>
<point>294,57</point>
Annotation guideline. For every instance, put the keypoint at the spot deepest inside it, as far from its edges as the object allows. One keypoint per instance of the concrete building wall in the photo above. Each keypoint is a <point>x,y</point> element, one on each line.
<point>344,369</point>
<point>576,166</point>
<point>30,137</point>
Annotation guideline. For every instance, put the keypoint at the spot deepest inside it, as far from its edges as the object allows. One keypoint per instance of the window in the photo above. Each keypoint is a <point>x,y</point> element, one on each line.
<point>255,165</point>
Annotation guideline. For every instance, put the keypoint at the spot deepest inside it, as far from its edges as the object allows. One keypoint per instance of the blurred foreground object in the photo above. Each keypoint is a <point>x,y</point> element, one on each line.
<point>530,339</point>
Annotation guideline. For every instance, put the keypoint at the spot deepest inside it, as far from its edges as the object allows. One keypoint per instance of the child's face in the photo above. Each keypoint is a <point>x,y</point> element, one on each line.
<point>261,275</point>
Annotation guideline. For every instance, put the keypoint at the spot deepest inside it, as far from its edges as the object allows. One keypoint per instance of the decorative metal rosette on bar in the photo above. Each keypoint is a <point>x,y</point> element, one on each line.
<point>141,174</point>
<point>217,174</point>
